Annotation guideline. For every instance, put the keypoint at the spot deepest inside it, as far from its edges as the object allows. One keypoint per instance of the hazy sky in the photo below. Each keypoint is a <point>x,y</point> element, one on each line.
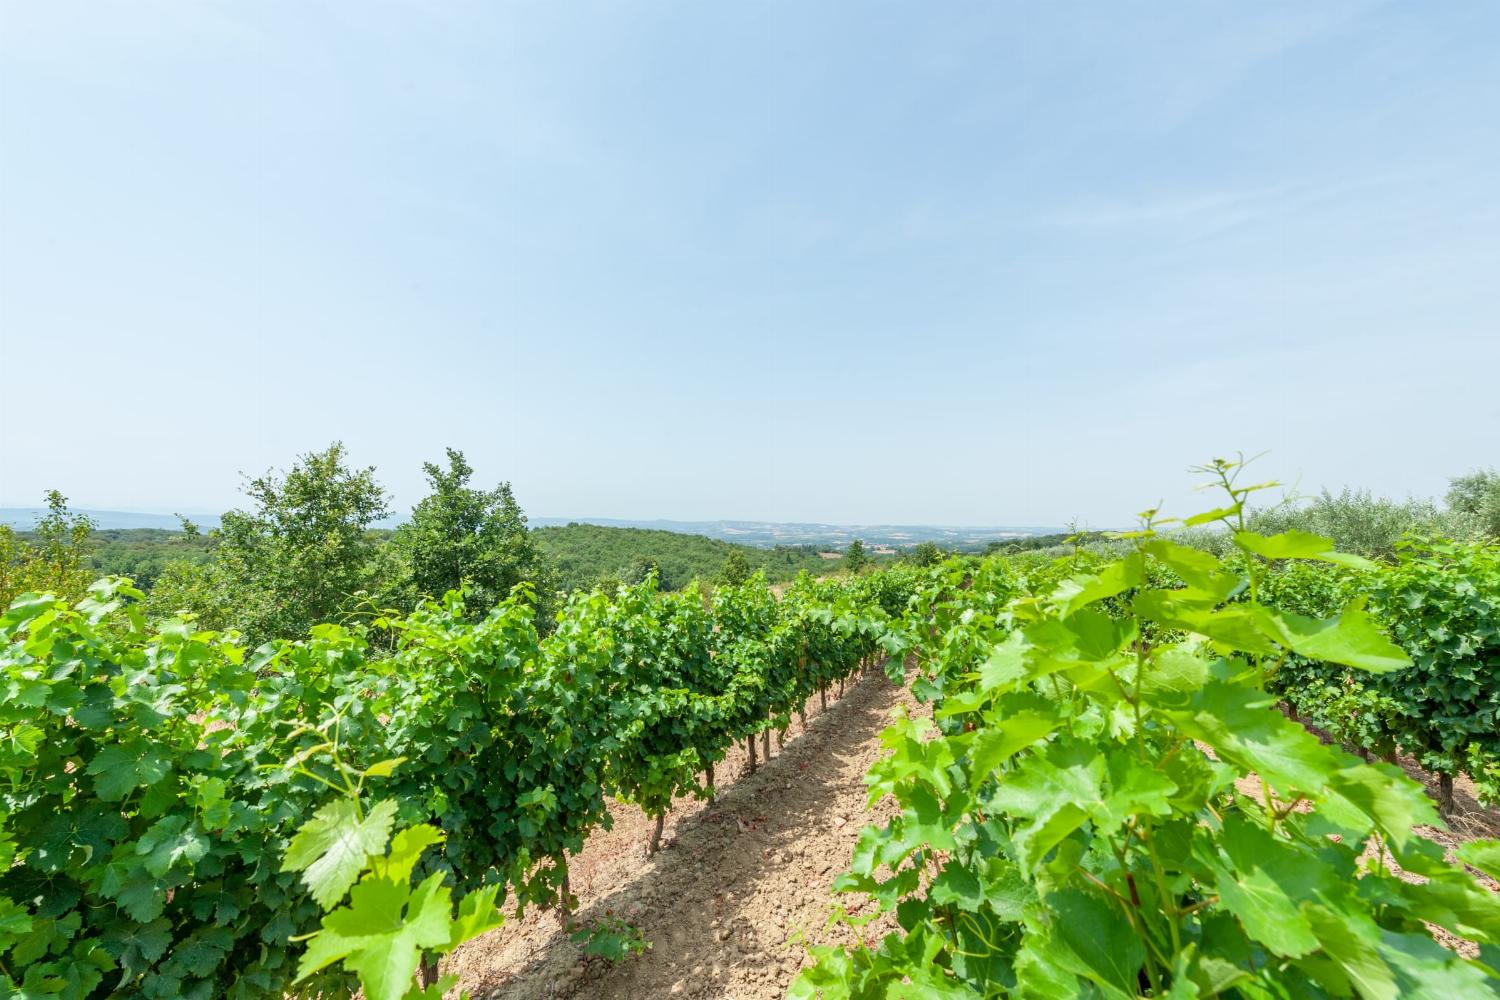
<point>975,263</point>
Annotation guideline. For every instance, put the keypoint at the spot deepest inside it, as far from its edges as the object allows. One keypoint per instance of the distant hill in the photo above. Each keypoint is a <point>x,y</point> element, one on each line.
<point>761,534</point>
<point>587,553</point>
<point>25,518</point>
<point>766,534</point>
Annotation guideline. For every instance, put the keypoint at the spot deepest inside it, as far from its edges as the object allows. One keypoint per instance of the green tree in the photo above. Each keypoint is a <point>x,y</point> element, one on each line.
<point>925,554</point>
<point>1357,521</point>
<point>55,562</point>
<point>292,560</point>
<point>855,558</point>
<point>643,566</point>
<point>461,536</point>
<point>736,569</point>
<point>1476,497</point>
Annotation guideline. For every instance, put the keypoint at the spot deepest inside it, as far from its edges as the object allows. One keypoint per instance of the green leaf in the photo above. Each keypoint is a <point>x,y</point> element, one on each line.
<point>119,769</point>
<point>406,848</point>
<point>14,921</point>
<point>1136,788</point>
<point>169,840</point>
<point>1242,728</point>
<point>369,931</point>
<point>957,886</point>
<point>1352,940</point>
<point>1100,938</point>
<point>478,913</point>
<point>1208,516</point>
<point>1006,664</point>
<point>1350,638</point>
<point>1116,578</point>
<point>1425,970</point>
<point>1201,571</point>
<point>333,847</point>
<point>1297,544</point>
<point>1387,796</point>
<point>384,768</point>
<point>1265,886</point>
<point>1172,674</point>
<point>387,962</point>
<point>1482,854</point>
<point>138,946</point>
<point>997,743</point>
<point>1235,627</point>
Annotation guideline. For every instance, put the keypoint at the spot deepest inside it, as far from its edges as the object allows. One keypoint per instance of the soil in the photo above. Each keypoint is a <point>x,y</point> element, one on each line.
<point>739,888</point>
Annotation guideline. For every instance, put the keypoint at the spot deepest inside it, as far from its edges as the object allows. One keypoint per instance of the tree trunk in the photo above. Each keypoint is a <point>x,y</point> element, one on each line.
<point>765,745</point>
<point>710,782</point>
<point>1389,756</point>
<point>802,714</point>
<point>1445,794</point>
<point>841,687</point>
<point>780,740</point>
<point>427,971</point>
<point>823,698</point>
<point>661,820</point>
<point>750,746</point>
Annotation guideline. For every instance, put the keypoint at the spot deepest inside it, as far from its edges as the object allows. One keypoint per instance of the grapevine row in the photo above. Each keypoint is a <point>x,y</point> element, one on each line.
<point>176,810</point>
<point>1112,805</point>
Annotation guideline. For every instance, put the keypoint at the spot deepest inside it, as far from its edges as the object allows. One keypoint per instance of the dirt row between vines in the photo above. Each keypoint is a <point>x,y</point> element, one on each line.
<point>739,888</point>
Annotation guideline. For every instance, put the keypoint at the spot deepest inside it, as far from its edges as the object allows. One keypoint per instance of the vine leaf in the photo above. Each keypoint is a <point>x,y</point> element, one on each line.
<point>478,912</point>
<point>1351,639</point>
<point>406,847</point>
<point>120,769</point>
<point>1482,854</point>
<point>1299,545</point>
<point>333,846</point>
<point>1099,938</point>
<point>381,934</point>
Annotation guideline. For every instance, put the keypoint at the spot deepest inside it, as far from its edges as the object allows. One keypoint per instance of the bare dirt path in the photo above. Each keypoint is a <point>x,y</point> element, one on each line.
<point>739,888</point>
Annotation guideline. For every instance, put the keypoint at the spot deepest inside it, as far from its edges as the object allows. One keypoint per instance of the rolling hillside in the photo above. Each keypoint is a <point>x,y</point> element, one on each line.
<point>587,553</point>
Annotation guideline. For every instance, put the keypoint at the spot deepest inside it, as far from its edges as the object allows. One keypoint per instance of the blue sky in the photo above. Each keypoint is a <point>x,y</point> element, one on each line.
<point>974,263</point>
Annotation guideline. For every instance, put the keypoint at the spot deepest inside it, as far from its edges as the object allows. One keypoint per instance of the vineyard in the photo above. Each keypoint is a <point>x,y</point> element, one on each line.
<point>1109,802</point>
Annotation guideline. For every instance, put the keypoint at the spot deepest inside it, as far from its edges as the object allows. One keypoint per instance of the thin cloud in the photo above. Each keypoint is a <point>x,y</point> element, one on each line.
<point>1203,210</point>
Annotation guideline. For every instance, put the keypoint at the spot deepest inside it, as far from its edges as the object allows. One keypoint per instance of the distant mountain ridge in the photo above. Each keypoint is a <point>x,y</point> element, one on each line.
<point>770,533</point>
<point>25,518</point>
<point>762,534</point>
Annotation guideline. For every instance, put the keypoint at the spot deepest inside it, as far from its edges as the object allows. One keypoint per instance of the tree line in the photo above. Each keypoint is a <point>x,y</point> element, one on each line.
<point>307,547</point>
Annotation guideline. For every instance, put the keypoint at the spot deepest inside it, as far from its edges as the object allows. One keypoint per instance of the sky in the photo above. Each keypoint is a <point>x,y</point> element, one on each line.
<point>965,263</point>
